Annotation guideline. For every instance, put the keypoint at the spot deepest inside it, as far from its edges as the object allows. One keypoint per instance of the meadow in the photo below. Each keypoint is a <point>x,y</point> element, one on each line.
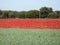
<point>17,36</point>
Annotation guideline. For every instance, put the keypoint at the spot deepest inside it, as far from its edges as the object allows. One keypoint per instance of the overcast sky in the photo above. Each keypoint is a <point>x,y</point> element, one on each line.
<point>20,5</point>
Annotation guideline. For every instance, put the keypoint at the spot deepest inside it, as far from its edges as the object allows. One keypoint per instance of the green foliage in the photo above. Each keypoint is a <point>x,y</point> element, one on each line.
<point>32,14</point>
<point>52,15</point>
<point>21,14</point>
<point>12,14</point>
<point>58,13</point>
<point>1,14</point>
<point>45,12</point>
<point>5,14</point>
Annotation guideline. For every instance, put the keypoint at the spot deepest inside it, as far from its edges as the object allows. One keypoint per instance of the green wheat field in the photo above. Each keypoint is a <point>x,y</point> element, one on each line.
<point>16,36</point>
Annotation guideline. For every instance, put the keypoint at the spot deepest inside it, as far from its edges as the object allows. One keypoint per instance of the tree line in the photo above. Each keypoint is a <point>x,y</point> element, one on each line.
<point>44,12</point>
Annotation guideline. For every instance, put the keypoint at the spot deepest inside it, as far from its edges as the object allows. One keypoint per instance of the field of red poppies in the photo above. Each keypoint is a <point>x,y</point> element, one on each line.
<point>30,23</point>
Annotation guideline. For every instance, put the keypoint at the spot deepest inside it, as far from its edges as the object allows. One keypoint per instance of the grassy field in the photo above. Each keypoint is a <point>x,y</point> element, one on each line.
<point>15,36</point>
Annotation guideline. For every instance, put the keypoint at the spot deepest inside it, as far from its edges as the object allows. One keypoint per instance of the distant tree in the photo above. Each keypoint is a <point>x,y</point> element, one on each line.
<point>21,14</point>
<point>1,14</point>
<point>44,11</point>
<point>12,14</point>
<point>32,14</point>
<point>58,13</point>
<point>5,14</point>
<point>53,15</point>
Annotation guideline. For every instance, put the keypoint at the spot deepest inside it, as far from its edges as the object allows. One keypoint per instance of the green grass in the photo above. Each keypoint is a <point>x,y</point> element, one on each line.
<point>15,36</point>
